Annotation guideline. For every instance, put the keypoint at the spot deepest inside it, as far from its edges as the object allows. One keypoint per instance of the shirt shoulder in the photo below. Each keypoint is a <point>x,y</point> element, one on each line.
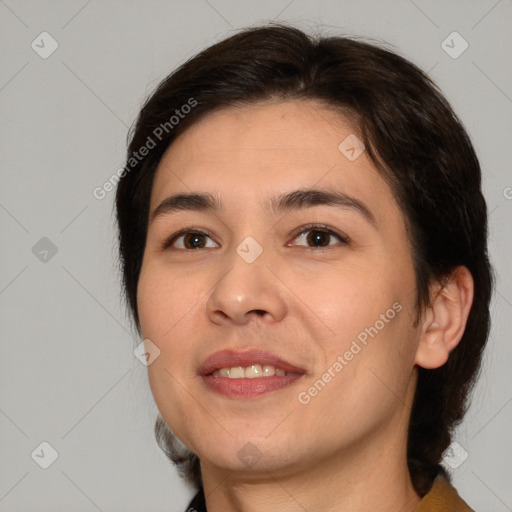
<point>198,503</point>
<point>442,497</point>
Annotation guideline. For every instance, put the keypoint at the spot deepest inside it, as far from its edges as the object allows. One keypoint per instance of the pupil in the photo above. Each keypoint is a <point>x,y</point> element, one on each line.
<point>194,241</point>
<point>319,238</point>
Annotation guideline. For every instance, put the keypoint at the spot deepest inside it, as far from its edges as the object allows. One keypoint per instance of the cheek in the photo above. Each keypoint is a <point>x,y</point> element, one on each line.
<point>347,299</point>
<point>167,305</point>
<point>364,313</point>
<point>165,300</point>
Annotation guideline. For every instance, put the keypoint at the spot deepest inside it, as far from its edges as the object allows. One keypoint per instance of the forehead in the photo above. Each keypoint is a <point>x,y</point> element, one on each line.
<point>245,154</point>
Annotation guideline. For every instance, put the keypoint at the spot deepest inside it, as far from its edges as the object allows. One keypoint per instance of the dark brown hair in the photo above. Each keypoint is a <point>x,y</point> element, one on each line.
<point>413,137</point>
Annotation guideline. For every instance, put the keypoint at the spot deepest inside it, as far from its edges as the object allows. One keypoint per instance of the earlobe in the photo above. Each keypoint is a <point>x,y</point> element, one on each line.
<point>444,321</point>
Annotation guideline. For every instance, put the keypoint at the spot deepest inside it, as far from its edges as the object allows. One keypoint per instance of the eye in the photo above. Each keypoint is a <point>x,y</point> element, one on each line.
<point>189,240</point>
<point>318,237</point>
<point>312,236</point>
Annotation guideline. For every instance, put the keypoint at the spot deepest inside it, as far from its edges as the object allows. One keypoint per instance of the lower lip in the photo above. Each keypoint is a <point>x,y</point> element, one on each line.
<point>248,388</point>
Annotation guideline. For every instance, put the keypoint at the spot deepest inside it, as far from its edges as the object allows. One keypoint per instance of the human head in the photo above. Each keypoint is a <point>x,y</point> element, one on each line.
<point>412,137</point>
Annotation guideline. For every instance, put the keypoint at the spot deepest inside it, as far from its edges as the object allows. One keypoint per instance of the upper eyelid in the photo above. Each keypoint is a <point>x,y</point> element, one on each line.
<point>319,227</point>
<point>171,239</point>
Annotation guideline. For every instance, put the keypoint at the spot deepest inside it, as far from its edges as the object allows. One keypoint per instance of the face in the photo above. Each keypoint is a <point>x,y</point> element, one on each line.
<point>272,250</point>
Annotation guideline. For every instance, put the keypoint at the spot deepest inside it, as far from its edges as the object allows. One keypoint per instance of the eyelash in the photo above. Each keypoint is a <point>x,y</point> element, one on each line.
<point>323,228</point>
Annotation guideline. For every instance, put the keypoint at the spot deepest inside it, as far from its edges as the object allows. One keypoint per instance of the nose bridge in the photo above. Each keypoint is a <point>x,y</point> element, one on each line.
<point>248,288</point>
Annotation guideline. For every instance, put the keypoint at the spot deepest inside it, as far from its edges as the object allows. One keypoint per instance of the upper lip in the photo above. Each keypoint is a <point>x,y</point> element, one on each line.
<point>230,358</point>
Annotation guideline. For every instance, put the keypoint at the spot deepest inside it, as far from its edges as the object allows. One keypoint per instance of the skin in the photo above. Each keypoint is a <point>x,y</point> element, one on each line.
<point>346,448</point>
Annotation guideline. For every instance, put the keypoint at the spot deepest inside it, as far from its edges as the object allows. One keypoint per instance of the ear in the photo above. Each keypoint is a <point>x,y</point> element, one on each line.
<point>445,319</point>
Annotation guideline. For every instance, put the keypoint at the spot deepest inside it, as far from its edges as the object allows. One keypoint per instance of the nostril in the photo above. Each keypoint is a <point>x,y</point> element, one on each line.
<point>259,312</point>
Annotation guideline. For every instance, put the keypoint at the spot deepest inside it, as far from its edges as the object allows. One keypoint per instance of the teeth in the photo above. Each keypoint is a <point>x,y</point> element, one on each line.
<point>254,371</point>
<point>237,372</point>
<point>268,371</point>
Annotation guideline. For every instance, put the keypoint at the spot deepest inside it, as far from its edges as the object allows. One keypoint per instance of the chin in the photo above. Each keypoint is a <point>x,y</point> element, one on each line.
<point>252,453</point>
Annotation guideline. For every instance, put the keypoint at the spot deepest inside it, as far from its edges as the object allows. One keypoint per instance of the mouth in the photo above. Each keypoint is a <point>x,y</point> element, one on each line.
<point>247,374</point>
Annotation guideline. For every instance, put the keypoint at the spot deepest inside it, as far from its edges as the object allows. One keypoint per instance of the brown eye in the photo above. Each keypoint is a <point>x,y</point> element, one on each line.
<point>189,240</point>
<point>317,238</point>
<point>194,241</point>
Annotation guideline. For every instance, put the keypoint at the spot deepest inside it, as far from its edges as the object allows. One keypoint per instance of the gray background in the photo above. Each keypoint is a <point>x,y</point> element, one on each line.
<point>67,370</point>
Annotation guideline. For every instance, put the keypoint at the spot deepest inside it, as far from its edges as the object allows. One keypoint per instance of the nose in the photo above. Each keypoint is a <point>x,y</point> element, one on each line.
<point>247,292</point>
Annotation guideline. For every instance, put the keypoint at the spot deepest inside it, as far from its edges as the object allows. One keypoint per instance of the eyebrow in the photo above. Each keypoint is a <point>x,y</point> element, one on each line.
<point>294,200</point>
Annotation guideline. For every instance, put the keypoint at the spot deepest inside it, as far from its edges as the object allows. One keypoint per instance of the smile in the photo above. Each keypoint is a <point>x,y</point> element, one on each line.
<point>247,374</point>
<point>253,371</point>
